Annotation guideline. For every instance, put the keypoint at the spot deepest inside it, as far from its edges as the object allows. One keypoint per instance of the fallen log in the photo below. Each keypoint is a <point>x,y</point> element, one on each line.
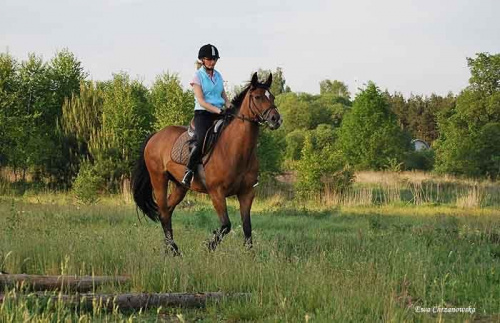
<point>43,282</point>
<point>134,301</point>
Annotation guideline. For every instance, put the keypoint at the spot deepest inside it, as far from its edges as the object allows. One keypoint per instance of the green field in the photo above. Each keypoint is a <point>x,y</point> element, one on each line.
<point>375,263</point>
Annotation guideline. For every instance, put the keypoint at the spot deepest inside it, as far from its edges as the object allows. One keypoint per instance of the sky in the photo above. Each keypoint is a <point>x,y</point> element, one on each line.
<point>408,46</point>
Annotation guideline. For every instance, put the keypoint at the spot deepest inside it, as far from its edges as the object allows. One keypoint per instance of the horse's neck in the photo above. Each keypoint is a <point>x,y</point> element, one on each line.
<point>243,134</point>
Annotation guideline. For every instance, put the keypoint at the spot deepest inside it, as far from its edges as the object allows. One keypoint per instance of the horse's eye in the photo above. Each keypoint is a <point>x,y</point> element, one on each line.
<point>258,97</point>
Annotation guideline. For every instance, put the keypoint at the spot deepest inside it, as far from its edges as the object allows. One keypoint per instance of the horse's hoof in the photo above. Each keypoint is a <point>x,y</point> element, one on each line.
<point>211,245</point>
<point>172,250</point>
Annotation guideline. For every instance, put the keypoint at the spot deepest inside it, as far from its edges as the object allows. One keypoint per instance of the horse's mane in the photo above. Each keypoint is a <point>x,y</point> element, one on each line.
<point>238,99</point>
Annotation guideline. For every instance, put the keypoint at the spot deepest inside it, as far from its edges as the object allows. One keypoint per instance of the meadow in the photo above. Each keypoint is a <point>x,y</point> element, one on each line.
<point>360,257</point>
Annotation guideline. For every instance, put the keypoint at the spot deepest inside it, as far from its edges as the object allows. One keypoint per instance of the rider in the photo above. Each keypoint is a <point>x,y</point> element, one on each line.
<point>210,99</point>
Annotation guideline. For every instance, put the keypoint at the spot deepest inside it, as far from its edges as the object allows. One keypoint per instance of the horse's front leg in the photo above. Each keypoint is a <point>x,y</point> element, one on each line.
<point>246,199</point>
<point>219,202</point>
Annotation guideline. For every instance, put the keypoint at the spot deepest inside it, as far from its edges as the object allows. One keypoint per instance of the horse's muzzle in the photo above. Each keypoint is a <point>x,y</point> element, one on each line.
<point>275,121</point>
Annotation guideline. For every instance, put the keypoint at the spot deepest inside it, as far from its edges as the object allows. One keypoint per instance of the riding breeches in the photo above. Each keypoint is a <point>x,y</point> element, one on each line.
<point>203,120</point>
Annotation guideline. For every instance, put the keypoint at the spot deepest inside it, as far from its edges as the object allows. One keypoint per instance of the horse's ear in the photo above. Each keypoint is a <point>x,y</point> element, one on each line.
<point>269,80</point>
<point>255,79</point>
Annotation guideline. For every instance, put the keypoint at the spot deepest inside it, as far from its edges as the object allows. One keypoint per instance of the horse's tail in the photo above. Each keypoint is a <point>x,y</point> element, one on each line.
<point>141,188</point>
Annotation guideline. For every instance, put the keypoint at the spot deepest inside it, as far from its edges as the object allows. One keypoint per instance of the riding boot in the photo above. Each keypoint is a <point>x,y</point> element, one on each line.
<point>191,166</point>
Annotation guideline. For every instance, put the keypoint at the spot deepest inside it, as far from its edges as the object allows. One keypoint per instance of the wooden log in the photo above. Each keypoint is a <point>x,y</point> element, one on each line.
<point>43,282</point>
<point>135,301</point>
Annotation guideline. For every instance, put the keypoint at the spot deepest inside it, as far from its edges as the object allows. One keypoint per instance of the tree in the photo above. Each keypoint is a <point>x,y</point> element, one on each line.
<point>335,87</point>
<point>485,73</point>
<point>279,83</point>
<point>80,122</point>
<point>82,113</point>
<point>172,105</point>
<point>369,135</point>
<point>294,144</point>
<point>419,115</point>
<point>468,142</point>
<point>328,108</point>
<point>399,107</point>
<point>295,112</point>
<point>126,121</point>
<point>65,73</point>
<point>9,85</point>
<point>31,142</point>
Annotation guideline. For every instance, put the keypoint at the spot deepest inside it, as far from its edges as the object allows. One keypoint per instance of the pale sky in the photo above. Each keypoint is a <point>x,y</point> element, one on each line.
<point>409,46</point>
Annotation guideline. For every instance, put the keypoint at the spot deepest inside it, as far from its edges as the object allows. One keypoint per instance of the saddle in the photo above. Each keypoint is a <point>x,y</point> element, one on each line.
<point>183,144</point>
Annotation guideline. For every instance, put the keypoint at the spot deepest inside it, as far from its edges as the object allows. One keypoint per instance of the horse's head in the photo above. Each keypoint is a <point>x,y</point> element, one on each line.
<point>262,103</point>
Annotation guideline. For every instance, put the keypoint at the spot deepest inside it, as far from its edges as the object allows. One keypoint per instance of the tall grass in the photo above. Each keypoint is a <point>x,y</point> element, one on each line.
<point>404,188</point>
<point>309,262</point>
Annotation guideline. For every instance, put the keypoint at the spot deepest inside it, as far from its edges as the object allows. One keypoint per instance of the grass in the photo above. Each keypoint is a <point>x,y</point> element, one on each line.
<point>309,263</point>
<point>404,188</point>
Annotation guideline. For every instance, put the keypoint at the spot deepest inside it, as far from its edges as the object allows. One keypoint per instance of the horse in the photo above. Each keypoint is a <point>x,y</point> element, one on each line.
<point>232,168</point>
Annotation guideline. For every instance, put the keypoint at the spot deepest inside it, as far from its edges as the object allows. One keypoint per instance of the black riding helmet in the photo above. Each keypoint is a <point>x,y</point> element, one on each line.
<point>208,51</point>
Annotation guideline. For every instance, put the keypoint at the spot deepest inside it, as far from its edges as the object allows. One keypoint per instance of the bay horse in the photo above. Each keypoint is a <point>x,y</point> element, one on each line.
<point>232,168</point>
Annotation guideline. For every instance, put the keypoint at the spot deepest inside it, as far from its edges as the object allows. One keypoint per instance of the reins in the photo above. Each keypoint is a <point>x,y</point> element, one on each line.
<point>259,118</point>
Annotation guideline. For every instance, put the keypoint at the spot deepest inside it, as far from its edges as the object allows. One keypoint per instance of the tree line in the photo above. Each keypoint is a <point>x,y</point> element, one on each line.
<point>65,130</point>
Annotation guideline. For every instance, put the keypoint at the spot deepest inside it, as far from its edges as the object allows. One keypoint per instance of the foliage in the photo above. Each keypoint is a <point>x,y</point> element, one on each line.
<point>82,112</point>
<point>270,153</point>
<point>320,164</point>
<point>81,121</point>
<point>9,116</point>
<point>64,73</point>
<point>31,97</point>
<point>278,85</point>
<point>295,112</point>
<point>418,114</point>
<point>87,184</point>
<point>172,105</point>
<point>369,134</point>
<point>126,121</point>
<point>305,111</point>
<point>335,87</point>
<point>420,160</point>
<point>469,143</point>
<point>294,143</point>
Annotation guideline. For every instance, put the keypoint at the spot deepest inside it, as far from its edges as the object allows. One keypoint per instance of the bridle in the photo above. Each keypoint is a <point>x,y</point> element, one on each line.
<point>259,117</point>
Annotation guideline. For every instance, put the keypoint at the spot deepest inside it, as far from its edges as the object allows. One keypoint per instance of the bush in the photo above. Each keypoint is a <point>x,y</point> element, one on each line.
<point>87,184</point>
<point>320,168</point>
<point>421,160</point>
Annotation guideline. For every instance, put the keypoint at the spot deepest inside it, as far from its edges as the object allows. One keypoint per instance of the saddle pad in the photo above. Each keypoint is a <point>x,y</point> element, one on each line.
<point>180,151</point>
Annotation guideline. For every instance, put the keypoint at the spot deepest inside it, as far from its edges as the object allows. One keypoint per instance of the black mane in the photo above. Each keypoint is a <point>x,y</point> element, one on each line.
<point>238,99</point>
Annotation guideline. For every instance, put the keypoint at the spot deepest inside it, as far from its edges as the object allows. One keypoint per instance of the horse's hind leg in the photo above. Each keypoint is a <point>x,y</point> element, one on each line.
<point>166,207</point>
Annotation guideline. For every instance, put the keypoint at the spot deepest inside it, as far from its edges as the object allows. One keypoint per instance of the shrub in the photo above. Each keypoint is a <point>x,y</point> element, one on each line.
<point>87,184</point>
<point>421,160</point>
<point>319,168</point>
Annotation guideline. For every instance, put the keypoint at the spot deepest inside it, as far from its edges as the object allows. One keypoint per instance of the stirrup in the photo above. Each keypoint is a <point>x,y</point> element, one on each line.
<point>188,177</point>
